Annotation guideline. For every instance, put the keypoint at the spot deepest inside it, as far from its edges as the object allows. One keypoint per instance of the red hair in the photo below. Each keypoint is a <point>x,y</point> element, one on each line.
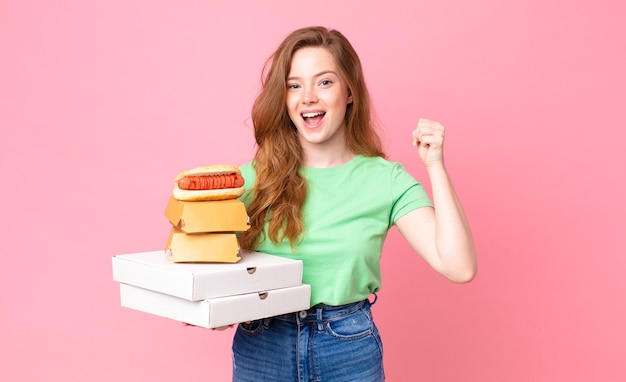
<point>280,190</point>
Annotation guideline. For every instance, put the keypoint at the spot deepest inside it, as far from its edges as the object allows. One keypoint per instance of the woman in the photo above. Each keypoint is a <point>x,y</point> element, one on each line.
<point>320,190</point>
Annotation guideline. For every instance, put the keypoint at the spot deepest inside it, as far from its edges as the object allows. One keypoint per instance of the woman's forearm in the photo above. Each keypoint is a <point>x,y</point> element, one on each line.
<point>455,244</point>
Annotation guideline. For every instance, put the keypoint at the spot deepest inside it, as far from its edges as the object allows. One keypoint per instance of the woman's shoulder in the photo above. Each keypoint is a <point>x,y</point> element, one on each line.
<point>247,171</point>
<point>377,162</point>
<point>247,167</point>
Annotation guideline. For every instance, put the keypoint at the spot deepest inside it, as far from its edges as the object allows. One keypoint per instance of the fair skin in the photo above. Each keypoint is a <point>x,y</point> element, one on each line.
<point>317,98</point>
<point>442,235</point>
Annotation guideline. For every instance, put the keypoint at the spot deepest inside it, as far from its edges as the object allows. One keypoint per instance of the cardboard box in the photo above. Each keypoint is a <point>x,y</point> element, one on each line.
<point>207,216</point>
<point>212,247</point>
<point>219,311</point>
<point>195,281</point>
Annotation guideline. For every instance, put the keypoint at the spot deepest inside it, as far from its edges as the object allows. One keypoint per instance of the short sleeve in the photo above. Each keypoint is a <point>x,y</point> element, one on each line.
<point>408,194</point>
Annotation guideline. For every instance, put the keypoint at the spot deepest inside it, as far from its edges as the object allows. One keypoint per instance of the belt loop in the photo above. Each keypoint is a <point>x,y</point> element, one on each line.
<point>375,298</point>
<point>320,324</point>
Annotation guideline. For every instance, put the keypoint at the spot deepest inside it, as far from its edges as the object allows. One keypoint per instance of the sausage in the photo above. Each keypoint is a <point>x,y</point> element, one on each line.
<point>210,182</point>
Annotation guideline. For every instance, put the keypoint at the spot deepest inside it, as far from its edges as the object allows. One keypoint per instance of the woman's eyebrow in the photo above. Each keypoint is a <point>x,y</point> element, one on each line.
<point>314,76</point>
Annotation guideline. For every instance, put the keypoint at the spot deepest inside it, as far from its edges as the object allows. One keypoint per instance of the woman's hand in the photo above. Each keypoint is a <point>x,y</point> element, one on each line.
<point>428,138</point>
<point>220,328</point>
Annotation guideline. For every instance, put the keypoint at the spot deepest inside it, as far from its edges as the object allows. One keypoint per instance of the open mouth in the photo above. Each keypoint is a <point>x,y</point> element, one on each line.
<point>313,118</point>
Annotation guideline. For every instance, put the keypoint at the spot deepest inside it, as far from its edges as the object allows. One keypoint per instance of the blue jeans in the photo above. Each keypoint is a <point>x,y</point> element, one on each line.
<point>322,344</point>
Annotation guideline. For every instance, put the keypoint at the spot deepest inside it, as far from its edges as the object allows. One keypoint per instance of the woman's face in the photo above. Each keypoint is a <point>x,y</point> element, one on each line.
<point>317,98</point>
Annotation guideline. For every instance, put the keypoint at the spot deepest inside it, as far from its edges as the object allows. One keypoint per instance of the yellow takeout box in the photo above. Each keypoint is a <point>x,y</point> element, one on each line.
<point>209,247</point>
<point>207,216</point>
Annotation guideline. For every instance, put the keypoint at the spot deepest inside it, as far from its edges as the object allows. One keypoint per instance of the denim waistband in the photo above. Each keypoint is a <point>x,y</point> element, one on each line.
<point>324,312</point>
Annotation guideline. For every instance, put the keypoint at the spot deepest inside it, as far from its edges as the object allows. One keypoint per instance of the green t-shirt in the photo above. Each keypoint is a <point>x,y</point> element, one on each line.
<point>347,214</point>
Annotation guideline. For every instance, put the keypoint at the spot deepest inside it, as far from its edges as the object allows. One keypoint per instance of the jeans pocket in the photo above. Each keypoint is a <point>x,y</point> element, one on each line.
<point>353,326</point>
<point>253,328</point>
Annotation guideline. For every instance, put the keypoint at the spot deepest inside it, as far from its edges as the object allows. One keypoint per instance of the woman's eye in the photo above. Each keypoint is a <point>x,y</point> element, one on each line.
<point>293,86</point>
<point>325,82</point>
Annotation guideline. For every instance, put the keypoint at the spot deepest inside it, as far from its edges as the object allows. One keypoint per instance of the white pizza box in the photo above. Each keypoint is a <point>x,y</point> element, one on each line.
<point>255,272</point>
<point>218,311</point>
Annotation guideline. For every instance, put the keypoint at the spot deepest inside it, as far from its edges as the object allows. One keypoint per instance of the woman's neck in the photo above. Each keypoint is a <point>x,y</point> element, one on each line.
<point>323,156</point>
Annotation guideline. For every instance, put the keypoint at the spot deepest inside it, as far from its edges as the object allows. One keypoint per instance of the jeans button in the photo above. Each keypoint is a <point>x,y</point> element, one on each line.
<point>302,314</point>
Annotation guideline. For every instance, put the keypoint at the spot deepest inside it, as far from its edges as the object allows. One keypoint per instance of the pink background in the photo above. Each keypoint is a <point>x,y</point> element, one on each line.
<point>102,103</point>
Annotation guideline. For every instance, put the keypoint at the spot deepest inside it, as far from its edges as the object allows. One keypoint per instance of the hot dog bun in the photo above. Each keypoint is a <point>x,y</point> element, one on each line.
<point>211,194</point>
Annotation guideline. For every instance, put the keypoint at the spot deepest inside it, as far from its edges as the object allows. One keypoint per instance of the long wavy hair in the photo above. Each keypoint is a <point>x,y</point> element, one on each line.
<point>279,191</point>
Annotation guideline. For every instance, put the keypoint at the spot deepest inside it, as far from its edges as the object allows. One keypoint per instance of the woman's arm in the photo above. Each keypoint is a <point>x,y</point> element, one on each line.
<point>442,235</point>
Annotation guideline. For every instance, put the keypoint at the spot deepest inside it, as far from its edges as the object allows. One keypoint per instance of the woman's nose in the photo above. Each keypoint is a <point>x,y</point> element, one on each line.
<point>309,96</point>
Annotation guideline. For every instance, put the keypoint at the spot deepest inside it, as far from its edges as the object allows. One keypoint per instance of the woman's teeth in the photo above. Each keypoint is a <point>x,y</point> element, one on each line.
<point>311,115</point>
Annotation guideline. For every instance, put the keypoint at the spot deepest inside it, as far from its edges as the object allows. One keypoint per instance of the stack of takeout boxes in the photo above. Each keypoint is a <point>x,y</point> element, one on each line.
<point>203,278</point>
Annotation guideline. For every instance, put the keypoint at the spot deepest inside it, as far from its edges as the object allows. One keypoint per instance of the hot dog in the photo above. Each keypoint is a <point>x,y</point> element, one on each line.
<point>216,182</point>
